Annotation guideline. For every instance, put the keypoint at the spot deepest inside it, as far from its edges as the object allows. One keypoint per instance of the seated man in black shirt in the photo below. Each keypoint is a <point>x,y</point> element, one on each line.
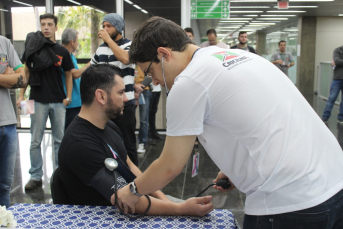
<point>92,137</point>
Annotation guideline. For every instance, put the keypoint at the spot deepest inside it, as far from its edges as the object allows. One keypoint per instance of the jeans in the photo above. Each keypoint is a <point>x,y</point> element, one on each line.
<point>155,98</point>
<point>327,215</point>
<point>8,152</point>
<point>336,86</point>
<point>56,113</point>
<point>127,126</point>
<point>144,117</point>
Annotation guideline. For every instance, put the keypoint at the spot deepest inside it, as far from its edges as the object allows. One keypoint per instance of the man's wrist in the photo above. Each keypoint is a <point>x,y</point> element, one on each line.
<point>69,100</point>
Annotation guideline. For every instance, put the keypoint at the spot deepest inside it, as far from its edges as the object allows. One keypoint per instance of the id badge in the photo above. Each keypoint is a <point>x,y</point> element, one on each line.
<point>195,167</point>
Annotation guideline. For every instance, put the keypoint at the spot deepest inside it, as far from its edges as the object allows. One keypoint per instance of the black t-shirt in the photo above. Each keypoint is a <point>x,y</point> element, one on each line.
<point>51,89</point>
<point>81,156</point>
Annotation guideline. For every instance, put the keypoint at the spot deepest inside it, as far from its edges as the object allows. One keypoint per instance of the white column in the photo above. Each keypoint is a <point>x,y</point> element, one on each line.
<point>49,6</point>
<point>185,13</point>
<point>120,7</point>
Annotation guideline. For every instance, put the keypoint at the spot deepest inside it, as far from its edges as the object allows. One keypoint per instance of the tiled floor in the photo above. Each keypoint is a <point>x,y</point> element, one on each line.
<point>183,186</point>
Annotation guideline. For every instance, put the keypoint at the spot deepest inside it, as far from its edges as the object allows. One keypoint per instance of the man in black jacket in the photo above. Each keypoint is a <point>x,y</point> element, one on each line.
<point>336,86</point>
<point>46,91</point>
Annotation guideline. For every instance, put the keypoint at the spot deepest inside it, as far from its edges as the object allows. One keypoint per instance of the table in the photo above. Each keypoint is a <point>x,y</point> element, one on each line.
<point>73,216</point>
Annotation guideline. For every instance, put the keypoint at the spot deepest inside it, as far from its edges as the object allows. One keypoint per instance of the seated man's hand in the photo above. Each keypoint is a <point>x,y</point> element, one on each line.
<point>9,70</point>
<point>197,206</point>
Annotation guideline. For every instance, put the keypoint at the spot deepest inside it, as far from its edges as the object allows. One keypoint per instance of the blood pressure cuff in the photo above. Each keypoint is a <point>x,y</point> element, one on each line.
<point>104,180</point>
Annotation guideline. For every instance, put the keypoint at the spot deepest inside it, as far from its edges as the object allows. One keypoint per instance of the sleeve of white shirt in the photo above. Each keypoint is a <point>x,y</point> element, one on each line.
<point>187,108</point>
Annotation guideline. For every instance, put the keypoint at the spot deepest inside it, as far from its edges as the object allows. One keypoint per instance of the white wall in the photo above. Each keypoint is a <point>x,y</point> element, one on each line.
<point>329,36</point>
<point>132,22</point>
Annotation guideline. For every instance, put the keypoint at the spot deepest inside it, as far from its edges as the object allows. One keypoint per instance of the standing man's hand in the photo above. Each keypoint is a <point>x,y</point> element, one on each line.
<point>333,63</point>
<point>9,70</point>
<point>138,88</point>
<point>103,34</point>
<point>221,175</point>
<point>288,65</point>
<point>20,98</point>
<point>278,62</point>
<point>66,102</point>
<point>126,199</point>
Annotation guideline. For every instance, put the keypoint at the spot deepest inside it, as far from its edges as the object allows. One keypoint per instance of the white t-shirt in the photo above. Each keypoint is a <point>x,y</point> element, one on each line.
<point>258,129</point>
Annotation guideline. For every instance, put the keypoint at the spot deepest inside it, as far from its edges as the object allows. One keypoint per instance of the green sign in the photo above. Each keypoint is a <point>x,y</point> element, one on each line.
<point>210,9</point>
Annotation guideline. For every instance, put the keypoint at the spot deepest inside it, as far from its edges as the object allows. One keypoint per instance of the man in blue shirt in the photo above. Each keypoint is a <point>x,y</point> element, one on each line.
<point>70,42</point>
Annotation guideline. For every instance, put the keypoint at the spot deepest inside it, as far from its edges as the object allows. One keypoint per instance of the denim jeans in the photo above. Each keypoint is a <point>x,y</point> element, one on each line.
<point>327,215</point>
<point>144,117</point>
<point>336,86</point>
<point>8,152</point>
<point>56,113</point>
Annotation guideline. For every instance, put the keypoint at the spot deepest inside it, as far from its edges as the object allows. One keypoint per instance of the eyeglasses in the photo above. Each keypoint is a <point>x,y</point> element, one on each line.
<point>147,70</point>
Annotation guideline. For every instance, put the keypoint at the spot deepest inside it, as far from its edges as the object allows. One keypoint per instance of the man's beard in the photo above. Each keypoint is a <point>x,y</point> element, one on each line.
<point>242,43</point>
<point>114,35</point>
<point>112,111</point>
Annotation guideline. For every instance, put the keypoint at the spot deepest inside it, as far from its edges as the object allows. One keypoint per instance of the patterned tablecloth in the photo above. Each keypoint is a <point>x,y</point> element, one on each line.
<point>78,216</point>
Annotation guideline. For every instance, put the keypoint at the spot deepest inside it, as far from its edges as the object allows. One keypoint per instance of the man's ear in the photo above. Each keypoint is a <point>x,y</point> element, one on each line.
<point>163,52</point>
<point>101,96</point>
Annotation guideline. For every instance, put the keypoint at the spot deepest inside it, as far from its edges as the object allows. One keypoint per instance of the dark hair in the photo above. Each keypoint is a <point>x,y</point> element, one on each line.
<point>281,41</point>
<point>48,15</point>
<point>242,32</point>
<point>210,31</point>
<point>154,33</point>
<point>189,30</point>
<point>98,76</point>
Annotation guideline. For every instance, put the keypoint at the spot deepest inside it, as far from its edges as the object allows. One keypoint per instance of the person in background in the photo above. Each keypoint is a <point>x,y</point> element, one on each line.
<point>212,40</point>
<point>243,43</point>
<point>12,76</point>
<point>282,59</point>
<point>46,90</point>
<point>70,42</point>
<point>336,86</point>
<point>190,33</point>
<point>144,104</point>
<point>114,51</point>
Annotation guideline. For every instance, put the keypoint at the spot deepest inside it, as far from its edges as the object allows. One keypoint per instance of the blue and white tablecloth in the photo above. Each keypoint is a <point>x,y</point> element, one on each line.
<point>79,216</point>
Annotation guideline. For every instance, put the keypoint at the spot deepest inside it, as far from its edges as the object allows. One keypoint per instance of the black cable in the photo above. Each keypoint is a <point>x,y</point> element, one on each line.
<point>116,201</point>
<point>224,183</point>
<point>204,190</point>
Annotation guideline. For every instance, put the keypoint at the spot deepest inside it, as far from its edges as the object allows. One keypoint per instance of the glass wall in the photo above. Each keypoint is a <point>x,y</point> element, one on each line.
<point>290,35</point>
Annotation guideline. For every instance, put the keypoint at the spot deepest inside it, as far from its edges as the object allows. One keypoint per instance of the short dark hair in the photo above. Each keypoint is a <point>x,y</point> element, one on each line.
<point>241,32</point>
<point>48,15</point>
<point>210,31</point>
<point>281,41</point>
<point>154,33</point>
<point>189,30</point>
<point>98,76</point>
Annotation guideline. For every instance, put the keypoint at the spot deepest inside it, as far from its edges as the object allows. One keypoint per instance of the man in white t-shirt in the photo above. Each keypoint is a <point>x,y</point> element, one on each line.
<point>257,128</point>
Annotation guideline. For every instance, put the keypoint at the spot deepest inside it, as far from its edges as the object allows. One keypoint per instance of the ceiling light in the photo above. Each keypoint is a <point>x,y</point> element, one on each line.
<point>262,23</point>
<point>233,22</point>
<point>311,0</point>
<point>243,12</point>
<point>247,7</point>
<point>286,11</point>
<point>77,3</point>
<point>23,3</point>
<point>238,19</point>
<point>277,15</point>
<point>340,15</point>
<point>273,18</point>
<point>128,1</point>
<point>253,0</point>
<point>138,7</point>
<point>144,11</point>
<point>250,15</point>
<point>230,27</point>
<point>3,10</point>
<point>299,6</point>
